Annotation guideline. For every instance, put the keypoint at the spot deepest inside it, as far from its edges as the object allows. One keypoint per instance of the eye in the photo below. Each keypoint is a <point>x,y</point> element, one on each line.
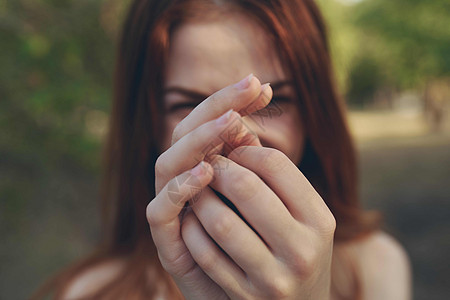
<point>181,106</point>
<point>280,99</point>
<point>277,102</point>
<point>275,107</point>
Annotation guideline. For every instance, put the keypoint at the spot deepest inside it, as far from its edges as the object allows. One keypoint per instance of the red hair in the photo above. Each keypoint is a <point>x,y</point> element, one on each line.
<point>136,126</point>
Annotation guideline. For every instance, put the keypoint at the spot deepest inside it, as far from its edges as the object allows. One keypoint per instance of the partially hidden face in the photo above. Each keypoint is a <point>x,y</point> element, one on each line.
<point>207,56</point>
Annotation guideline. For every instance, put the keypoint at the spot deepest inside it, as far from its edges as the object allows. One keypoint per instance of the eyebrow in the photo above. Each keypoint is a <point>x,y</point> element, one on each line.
<point>198,96</point>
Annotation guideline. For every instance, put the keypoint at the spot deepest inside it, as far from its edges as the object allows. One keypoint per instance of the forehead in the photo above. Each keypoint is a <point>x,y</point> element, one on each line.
<point>213,54</point>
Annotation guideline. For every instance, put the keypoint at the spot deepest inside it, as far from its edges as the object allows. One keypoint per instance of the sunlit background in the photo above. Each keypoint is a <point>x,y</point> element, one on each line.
<point>392,59</point>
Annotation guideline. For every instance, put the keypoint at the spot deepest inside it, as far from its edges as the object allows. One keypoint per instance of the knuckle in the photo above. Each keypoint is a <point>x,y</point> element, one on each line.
<point>273,160</point>
<point>328,225</point>
<point>213,98</point>
<point>174,263</point>
<point>160,165</point>
<point>177,133</point>
<point>304,267</point>
<point>152,215</point>
<point>303,264</point>
<point>222,226</point>
<point>301,256</point>
<point>199,132</point>
<point>207,260</point>
<point>280,287</point>
<point>244,184</point>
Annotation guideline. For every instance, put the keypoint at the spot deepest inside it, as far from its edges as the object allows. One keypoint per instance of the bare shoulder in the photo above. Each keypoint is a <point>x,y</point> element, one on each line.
<point>384,266</point>
<point>94,278</point>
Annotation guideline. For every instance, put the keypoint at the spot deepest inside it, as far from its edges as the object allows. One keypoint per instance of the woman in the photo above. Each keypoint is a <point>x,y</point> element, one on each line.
<point>249,199</point>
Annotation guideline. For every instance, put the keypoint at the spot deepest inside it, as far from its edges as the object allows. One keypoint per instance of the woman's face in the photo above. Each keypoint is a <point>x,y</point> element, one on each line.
<point>207,56</point>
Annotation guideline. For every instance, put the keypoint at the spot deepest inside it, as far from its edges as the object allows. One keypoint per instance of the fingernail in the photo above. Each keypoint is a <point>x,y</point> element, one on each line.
<point>199,169</point>
<point>224,118</point>
<point>244,83</point>
<point>265,91</point>
<point>265,86</point>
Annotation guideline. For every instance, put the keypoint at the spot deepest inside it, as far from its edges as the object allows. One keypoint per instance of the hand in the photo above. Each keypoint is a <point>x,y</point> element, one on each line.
<point>285,251</point>
<point>197,132</point>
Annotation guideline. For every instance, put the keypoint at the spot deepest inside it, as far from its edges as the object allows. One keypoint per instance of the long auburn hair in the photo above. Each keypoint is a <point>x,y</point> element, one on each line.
<point>298,32</point>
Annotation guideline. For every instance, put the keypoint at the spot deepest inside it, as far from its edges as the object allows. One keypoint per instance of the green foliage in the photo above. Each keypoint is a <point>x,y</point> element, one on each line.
<point>364,80</point>
<point>411,38</point>
<point>55,86</point>
<point>399,44</point>
<point>56,67</point>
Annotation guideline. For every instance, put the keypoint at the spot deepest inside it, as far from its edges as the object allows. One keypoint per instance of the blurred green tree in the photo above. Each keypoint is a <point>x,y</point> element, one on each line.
<point>57,61</point>
<point>365,78</point>
<point>409,38</point>
<point>383,44</point>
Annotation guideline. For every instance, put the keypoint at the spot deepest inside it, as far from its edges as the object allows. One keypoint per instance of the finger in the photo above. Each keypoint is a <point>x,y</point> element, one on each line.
<point>285,179</point>
<point>255,201</point>
<point>210,258</point>
<point>245,97</point>
<point>162,212</point>
<point>234,236</point>
<point>224,133</point>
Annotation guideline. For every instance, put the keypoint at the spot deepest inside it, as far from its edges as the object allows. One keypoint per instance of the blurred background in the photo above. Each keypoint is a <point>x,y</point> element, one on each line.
<point>392,60</point>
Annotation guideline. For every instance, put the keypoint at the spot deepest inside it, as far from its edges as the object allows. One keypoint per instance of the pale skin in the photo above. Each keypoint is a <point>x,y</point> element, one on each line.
<point>209,251</point>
